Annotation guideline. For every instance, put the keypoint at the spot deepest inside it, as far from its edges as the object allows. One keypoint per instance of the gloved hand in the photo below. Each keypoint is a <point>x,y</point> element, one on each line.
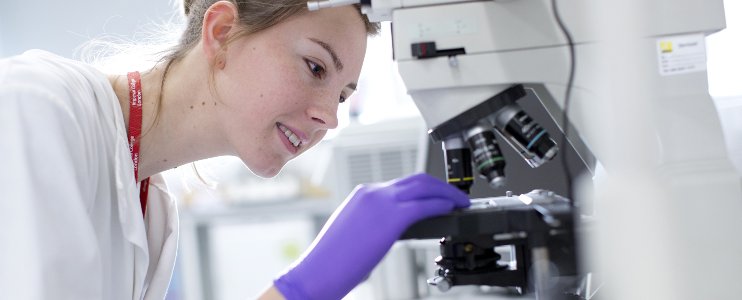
<point>361,231</point>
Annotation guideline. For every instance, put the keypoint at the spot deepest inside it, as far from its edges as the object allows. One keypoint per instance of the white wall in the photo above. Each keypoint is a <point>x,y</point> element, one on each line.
<point>725,54</point>
<point>61,26</point>
<point>725,78</point>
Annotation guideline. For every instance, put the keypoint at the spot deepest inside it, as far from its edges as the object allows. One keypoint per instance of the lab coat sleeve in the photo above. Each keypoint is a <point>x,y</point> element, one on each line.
<point>47,245</point>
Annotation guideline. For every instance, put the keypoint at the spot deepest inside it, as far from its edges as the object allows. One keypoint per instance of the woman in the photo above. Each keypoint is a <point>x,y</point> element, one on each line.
<point>260,80</point>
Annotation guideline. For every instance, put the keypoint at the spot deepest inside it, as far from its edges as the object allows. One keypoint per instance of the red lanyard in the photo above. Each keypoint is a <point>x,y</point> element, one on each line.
<point>135,131</point>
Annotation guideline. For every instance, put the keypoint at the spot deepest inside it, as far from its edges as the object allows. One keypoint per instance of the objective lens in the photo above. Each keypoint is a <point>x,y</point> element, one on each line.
<point>533,142</point>
<point>458,164</point>
<point>488,159</point>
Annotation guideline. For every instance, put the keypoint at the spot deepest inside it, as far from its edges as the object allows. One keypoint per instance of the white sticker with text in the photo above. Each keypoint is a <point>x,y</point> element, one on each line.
<point>681,54</point>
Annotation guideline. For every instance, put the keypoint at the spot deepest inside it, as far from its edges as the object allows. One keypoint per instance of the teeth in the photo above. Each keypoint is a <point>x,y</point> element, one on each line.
<point>294,140</point>
<point>292,136</point>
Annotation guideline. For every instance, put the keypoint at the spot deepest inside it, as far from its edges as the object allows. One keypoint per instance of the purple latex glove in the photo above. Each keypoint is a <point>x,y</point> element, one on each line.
<point>361,231</point>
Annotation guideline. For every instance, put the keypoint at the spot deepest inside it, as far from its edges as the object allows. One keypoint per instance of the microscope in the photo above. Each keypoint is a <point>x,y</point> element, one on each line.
<point>626,79</point>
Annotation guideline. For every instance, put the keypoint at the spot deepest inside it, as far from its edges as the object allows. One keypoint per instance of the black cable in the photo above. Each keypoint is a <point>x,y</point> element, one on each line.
<point>567,94</point>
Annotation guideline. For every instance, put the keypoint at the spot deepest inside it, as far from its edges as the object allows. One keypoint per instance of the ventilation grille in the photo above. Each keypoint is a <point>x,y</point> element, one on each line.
<point>377,165</point>
<point>361,168</point>
<point>370,153</point>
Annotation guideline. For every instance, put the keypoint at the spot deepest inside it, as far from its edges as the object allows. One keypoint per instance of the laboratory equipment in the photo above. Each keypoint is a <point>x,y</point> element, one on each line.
<point>471,135</point>
<point>634,93</point>
<point>539,222</point>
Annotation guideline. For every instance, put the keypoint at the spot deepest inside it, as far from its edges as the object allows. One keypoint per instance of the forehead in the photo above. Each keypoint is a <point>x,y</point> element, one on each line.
<point>342,28</point>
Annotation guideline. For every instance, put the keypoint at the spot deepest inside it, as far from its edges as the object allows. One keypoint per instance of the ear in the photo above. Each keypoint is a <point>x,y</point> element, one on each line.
<point>219,24</point>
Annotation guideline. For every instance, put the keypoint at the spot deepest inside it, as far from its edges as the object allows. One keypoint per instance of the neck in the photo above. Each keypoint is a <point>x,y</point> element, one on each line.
<point>178,126</point>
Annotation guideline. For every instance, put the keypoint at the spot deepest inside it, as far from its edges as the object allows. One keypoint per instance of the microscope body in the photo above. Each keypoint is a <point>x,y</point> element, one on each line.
<point>639,101</point>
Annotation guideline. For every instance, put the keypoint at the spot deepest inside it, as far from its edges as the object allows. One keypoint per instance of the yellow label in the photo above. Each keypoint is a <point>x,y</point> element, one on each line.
<point>666,46</point>
<point>459,179</point>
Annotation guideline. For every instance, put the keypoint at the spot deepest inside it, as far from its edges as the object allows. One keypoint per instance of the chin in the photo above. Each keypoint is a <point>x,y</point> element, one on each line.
<point>265,171</point>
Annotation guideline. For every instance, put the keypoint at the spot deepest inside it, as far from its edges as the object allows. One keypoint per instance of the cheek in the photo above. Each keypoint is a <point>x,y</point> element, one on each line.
<point>273,82</point>
<point>243,91</point>
<point>286,92</point>
<point>319,137</point>
<point>261,88</point>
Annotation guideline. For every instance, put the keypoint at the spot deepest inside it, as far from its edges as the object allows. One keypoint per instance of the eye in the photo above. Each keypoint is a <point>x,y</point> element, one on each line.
<point>317,70</point>
<point>342,98</point>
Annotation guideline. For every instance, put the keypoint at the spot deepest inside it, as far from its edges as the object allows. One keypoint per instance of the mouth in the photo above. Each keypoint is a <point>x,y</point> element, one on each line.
<point>290,139</point>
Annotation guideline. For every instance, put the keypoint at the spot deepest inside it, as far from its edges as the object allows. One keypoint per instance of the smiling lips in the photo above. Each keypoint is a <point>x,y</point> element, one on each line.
<point>290,135</point>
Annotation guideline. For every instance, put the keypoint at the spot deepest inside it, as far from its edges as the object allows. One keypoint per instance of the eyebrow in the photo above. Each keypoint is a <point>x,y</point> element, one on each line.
<point>335,59</point>
<point>331,51</point>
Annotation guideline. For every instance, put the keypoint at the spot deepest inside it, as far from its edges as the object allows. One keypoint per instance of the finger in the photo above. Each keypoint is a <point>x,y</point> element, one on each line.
<point>425,186</point>
<point>426,208</point>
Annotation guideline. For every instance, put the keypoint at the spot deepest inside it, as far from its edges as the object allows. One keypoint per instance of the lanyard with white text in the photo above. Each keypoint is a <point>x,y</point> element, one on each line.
<point>135,130</point>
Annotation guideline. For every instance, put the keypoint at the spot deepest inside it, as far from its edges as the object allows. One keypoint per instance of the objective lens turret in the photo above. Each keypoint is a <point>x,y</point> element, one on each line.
<point>458,164</point>
<point>487,157</point>
<point>528,137</point>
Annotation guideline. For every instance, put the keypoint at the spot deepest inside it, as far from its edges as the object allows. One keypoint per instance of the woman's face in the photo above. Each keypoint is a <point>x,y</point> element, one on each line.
<point>280,88</point>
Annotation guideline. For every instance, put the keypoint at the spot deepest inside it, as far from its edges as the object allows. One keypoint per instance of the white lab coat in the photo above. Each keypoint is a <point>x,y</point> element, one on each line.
<point>71,225</point>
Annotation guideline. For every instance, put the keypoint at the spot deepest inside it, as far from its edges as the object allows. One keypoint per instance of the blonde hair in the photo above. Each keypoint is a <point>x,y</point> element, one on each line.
<point>254,16</point>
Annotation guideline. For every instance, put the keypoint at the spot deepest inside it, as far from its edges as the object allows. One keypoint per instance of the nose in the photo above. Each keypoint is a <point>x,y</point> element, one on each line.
<point>324,113</point>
